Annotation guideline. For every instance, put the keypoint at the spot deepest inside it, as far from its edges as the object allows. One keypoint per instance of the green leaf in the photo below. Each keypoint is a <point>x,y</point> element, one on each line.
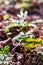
<point>33,37</point>
<point>28,46</point>
<point>24,5</point>
<point>30,40</point>
<point>42,42</point>
<point>5,50</point>
<point>11,26</point>
<point>31,45</point>
<point>38,40</point>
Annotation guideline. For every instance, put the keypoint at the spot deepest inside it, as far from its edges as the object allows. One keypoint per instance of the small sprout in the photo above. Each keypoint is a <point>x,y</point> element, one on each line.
<point>7,30</point>
<point>6,16</point>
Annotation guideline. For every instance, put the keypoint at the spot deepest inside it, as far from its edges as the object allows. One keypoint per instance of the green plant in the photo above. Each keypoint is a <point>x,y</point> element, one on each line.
<point>5,50</point>
<point>5,56</point>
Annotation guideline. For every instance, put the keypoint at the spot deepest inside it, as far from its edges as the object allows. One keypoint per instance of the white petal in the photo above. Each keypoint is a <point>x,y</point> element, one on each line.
<point>19,16</point>
<point>21,13</point>
<point>25,14</point>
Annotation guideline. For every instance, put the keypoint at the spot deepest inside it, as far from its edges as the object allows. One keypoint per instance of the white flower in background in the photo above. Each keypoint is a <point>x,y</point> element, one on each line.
<point>7,2</point>
<point>4,11</point>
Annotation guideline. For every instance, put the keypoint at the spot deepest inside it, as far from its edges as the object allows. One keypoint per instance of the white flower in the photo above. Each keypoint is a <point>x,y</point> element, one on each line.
<point>4,12</point>
<point>22,16</point>
<point>7,2</point>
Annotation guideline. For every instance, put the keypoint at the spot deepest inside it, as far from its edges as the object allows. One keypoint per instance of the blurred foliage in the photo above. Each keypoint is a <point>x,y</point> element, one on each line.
<point>24,5</point>
<point>25,0</point>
